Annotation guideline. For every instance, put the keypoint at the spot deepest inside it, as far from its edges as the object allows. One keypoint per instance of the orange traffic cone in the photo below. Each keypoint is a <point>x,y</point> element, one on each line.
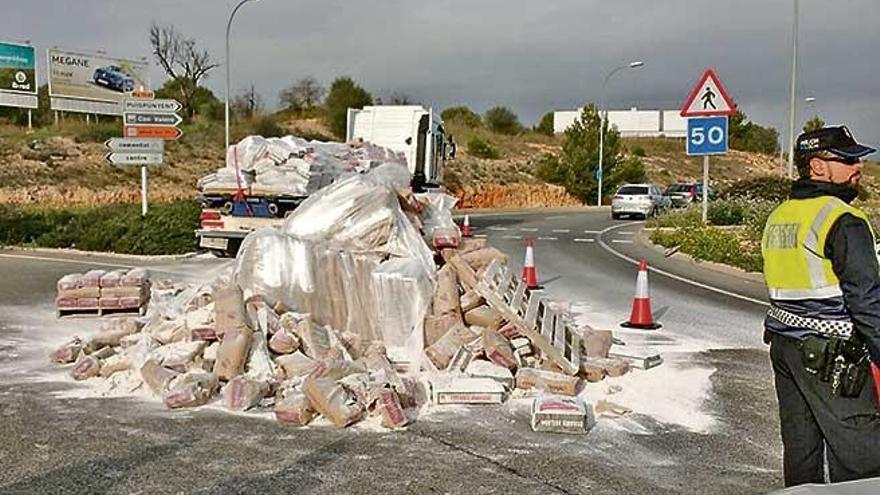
<point>641,316</point>
<point>530,275</point>
<point>466,227</point>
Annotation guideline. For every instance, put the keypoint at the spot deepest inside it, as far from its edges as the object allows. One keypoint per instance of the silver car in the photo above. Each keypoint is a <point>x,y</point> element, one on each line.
<point>642,200</point>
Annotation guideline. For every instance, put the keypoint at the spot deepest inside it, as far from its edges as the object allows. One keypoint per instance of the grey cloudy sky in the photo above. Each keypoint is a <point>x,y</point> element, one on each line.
<point>531,56</point>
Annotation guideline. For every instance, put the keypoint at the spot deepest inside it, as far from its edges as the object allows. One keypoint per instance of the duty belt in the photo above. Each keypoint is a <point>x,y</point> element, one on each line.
<point>830,328</point>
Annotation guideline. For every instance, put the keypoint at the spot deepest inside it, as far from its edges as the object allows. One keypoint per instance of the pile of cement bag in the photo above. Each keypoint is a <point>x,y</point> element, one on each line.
<point>292,166</point>
<point>342,314</point>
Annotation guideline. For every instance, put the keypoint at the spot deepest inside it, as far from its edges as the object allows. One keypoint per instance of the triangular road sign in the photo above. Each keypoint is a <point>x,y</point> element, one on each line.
<point>708,98</point>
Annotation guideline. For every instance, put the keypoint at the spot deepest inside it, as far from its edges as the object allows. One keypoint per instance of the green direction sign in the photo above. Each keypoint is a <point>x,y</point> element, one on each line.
<point>17,68</point>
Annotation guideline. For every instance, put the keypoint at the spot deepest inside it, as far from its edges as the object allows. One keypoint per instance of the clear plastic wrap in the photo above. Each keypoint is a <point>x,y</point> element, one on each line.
<point>277,267</point>
<point>437,212</point>
<point>403,292</point>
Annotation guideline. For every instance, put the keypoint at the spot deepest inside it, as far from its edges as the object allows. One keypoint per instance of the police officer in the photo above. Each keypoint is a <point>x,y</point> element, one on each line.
<point>824,323</point>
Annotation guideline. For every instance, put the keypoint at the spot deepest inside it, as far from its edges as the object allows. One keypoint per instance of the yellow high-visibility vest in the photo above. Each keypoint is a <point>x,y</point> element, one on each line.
<point>795,266</point>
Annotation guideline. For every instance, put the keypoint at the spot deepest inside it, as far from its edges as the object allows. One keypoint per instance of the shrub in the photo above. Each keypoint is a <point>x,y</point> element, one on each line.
<point>639,151</point>
<point>503,121</point>
<point>482,149</point>
<point>713,244</point>
<point>97,132</point>
<point>462,115</point>
<point>769,188</point>
<point>167,228</point>
<point>266,126</point>
<point>545,126</point>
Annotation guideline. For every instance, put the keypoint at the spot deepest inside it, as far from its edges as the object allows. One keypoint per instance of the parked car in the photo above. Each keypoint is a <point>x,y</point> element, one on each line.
<point>642,200</point>
<point>682,194</point>
<point>113,77</point>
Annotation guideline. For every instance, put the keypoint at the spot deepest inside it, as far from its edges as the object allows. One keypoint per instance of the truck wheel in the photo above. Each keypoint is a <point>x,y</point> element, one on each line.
<point>615,216</point>
<point>232,248</point>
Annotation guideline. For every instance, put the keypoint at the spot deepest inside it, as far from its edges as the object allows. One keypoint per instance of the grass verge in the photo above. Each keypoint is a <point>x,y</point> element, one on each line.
<point>118,228</point>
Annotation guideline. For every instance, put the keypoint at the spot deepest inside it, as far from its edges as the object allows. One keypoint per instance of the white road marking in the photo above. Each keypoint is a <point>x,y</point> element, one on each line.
<point>592,232</point>
<point>529,229</point>
<point>511,237</point>
<point>561,231</point>
<point>585,240</point>
<point>555,217</point>
<point>676,277</point>
<point>621,241</point>
<point>480,236</point>
<point>627,233</point>
<point>498,228</point>
<point>548,238</point>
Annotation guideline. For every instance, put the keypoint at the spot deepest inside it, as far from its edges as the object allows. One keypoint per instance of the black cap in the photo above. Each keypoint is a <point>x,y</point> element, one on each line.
<point>837,140</point>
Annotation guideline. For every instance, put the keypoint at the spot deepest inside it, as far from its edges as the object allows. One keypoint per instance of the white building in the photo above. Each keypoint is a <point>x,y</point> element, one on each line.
<point>632,122</point>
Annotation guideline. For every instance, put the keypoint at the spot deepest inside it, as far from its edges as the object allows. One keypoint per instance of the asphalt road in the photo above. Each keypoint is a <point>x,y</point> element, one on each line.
<point>704,422</point>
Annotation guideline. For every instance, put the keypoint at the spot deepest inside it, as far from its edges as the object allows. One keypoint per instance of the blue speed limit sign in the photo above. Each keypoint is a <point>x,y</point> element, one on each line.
<point>707,136</point>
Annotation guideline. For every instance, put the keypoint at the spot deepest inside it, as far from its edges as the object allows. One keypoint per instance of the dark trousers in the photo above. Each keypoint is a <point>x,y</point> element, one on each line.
<point>815,421</point>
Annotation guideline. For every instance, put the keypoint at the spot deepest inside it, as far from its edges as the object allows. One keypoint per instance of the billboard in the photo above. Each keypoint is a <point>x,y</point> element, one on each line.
<point>18,71</point>
<point>94,77</point>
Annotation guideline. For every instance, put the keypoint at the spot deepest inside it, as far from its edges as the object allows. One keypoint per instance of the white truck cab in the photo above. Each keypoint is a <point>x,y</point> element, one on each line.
<point>411,129</point>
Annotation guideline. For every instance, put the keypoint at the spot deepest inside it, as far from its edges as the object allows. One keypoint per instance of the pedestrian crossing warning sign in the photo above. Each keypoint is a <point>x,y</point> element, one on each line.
<point>708,98</point>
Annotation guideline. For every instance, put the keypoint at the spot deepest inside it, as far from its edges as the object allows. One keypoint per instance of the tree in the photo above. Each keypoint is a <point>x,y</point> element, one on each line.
<point>545,126</point>
<point>202,100</point>
<point>305,94</point>
<point>344,94</point>
<point>748,136</point>
<point>503,121</point>
<point>182,61</point>
<point>247,104</point>
<point>575,167</point>
<point>814,124</point>
<point>462,115</point>
<point>400,98</point>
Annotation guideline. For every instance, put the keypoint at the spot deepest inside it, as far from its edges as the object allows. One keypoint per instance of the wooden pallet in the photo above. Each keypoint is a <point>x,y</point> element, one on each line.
<point>99,312</point>
<point>549,329</point>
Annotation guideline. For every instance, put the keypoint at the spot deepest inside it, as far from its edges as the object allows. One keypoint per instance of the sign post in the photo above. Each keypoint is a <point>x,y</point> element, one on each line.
<point>707,107</point>
<point>146,124</point>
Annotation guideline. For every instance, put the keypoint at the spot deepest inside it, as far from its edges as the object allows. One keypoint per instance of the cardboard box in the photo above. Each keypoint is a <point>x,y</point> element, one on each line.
<point>468,391</point>
<point>555,383</point>
<point>556,414</point>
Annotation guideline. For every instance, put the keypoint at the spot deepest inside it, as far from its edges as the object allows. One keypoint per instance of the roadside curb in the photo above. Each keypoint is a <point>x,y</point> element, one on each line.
<point>99,254</point>
<point>674,276</point>
<point>485,212</point>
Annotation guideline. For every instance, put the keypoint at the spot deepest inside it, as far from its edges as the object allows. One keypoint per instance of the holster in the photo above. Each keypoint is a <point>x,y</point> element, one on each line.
<point>842,362</point>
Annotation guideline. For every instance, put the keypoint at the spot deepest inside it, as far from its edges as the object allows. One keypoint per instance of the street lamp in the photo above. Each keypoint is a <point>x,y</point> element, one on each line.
<point>792,116</point>
<point>228,28</point>
<point>632,65</point>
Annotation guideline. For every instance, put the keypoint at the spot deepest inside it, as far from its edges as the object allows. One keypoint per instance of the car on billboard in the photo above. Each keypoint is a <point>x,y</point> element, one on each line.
<point>113,77</point>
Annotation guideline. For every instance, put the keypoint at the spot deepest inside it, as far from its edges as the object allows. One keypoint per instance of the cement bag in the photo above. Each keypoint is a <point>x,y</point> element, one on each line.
<point>393,414</point>
<point>85,367</point>
<point>294,409</point>
<point>259,363</point>
<point>442,351</point>
<point>68,351</point>
<point>179,355</point>
<point>481,258</point>
<point>400,325</point>
<point>485,317</point>
<point>232,353</point>
<point>284,342</point>
<point>295,365</point>
<point>498,349</point>
<point>243,393</point>
<point>191,389</point>
<point>229,310</point>
<point>446,296</point>
<point>333,401</point>
<point>156,377</point>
